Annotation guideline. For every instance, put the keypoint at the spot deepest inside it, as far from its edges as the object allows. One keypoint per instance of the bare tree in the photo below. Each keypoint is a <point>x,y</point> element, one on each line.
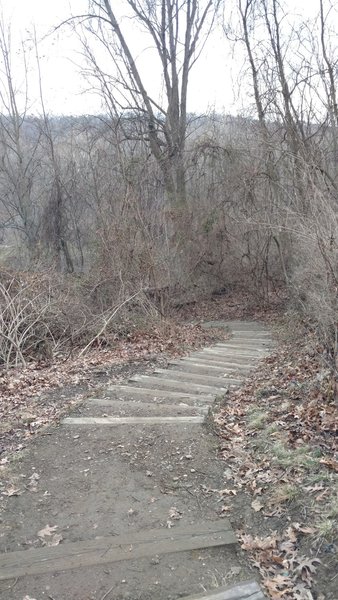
<point>55,221</point>
<point>331,67</point>
<point>19,160</point>
<point>177,32</point>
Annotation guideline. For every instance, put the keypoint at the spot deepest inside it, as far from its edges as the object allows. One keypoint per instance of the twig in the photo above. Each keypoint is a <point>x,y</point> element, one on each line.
<point>9,587</point>
<point>108,321</point>
<point>106,594</point>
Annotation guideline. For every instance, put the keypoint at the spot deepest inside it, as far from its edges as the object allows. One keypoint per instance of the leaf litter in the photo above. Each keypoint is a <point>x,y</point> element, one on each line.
<point>278,438</point>
<point>292,394</point>
<point>40,394</point>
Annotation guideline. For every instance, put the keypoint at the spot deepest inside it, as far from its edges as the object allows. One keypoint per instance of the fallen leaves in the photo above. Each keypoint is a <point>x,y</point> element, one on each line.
<point>255,543</point>
<point>228,492</point>
<point>257,505</point>
<point>53,539</point>
<point>278,586</point>
<point>23,409</point>
<point>47,531</point>
<point>330,462</point>
<point>286,468</point>
<point>12,491</point>
<point>33,482</point>
<point>174,515</point>
<point>278,553</point>
<point>303,529</point>
<point>305,567</point>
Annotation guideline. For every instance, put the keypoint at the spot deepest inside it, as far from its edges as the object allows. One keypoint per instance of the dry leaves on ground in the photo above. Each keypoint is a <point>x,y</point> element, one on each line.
<point>278,438</point>
<point>33,397</point>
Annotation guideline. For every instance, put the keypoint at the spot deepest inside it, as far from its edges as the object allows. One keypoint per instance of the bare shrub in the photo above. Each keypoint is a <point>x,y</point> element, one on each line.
<point>44,314</point>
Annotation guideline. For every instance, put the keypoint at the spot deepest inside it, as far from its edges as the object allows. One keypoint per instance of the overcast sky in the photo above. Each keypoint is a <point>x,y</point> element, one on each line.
<point>213,80</point>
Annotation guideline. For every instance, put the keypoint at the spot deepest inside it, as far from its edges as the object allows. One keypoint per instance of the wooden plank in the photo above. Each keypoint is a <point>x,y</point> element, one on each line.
<point>121,404</point>
<point>112,549</point>
<point>240,348</point>
<point>250,333</point>
<point>249,340</point>
<point>236,352</point>
<point>249,590</point>
<point>172,384</point>
<point>207,360</point>
<point>224,359</point>
<point>218,381</point>
<point>236,324</point>
<point>153,393</point>
<point>233,356</point>
<point>187,363</point>
<point>131,420</point>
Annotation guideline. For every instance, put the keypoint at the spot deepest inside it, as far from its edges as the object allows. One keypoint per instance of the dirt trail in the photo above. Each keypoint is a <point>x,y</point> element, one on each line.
<point>86,481</point>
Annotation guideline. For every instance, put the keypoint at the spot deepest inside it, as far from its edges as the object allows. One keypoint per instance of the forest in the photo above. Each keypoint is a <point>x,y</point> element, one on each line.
<point>169,279</point>
<point>146,206</point>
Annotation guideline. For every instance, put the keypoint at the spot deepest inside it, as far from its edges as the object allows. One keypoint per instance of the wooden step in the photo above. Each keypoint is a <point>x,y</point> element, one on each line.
<point>238,356</point>
<point>228,376</point>
<point>235,325</point>
<point>246,333</point>
<point>172,384</point>
<point>105,550</point>
<point>248,590</point>
<point>184,375</point>
<point>208,360</point>
<point>115,421</point>
<point>240,349</point>
<point>128,408</point>
<point>226,358</point>
<point>199,368</point>
<point>152,394</point>
<point>245,342</point>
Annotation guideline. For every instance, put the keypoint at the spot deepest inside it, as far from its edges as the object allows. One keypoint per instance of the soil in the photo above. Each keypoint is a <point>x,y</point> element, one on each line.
<point>90,481</point>
<point>115,481</point>
<point>126,479</point>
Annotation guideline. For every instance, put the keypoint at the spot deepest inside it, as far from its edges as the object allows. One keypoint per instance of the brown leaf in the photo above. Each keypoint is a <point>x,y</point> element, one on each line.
<point>287,546</point>
<point>303,528</point>
<point>290,533</point>
<point>278,586</point>
<point>227,492</point>
<point>320,497</point>
<point>257,505</point>
<point>306,567</point>
<point>314,488</point>
<point>303,593</point>
<point>174,513</point>
<point>250,543</point>
<point>330,462</point>
<point>12,491</point>
<point>46,531</point>
<point>55,540</point>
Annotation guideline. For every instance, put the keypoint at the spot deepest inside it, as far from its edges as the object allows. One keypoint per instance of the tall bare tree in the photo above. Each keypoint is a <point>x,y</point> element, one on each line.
<point>177,32</point>
<point>19,141</point>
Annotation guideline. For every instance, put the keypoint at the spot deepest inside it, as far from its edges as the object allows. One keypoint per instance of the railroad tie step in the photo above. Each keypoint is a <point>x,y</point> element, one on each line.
<point>117,548</point>
<point>217,380</point>
<point>154,394</point>
<point>116,421</point>
<point>170,383</point>
<point>248,590</point>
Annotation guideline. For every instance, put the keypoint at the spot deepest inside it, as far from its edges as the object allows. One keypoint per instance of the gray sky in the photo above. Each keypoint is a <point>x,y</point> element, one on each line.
<point>213,79</point>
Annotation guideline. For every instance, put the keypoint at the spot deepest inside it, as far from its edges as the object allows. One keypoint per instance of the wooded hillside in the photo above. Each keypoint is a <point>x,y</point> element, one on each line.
<point>146,206</point>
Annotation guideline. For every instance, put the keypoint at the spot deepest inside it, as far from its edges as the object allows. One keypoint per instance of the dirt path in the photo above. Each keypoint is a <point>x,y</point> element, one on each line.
<point>118,501</point>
